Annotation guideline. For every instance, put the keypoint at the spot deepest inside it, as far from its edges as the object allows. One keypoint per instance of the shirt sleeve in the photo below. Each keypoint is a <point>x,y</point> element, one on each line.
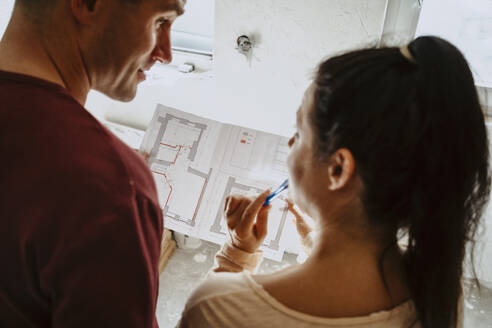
<point>208,305</point>
<point>193,318</point>
<point>232,259</point>
<point>229,260</point>
<point>103,272</point>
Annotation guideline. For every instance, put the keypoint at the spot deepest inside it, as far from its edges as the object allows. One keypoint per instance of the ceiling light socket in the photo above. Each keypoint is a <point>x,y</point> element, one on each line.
<point>244,44</point>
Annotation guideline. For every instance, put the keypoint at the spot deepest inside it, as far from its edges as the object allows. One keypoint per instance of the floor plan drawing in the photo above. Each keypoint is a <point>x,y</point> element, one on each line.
<point>130,136</point>
<point>174,158</point>
<point>197,163</point>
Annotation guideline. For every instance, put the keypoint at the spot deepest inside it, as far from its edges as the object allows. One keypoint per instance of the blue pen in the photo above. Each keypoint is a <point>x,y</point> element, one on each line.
<point>281,188</point>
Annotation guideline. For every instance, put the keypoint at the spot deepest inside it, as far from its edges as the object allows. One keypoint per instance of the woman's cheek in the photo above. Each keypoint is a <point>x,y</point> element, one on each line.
<point>290,165</point>
<point>294,168</point>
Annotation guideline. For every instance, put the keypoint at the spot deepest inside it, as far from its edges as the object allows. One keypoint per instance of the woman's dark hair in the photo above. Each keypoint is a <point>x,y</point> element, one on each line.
<point>418,137</point>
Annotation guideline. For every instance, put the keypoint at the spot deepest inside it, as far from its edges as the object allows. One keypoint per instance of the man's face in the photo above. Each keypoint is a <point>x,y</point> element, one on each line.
<point>127,41</point>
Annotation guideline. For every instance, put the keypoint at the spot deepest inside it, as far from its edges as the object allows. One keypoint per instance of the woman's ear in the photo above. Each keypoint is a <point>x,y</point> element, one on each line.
<point>340,169</point>
<point>85,10</point>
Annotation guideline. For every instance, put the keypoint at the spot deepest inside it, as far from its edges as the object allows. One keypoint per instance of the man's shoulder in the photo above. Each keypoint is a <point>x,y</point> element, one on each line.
<point>36,107</point>
<point>18,90</point>
<point>85,151</point>
<point>61,138</point>
<point>46,133</point>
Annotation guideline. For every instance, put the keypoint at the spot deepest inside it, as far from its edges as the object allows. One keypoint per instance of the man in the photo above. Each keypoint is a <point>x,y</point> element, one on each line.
<point>80,222</point>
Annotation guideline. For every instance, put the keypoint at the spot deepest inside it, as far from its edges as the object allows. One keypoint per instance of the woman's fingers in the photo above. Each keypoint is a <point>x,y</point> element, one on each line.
<point>235,206</point>
<point>302,226</point>
<point>144,155</point>
<point>247,220</point>
<point>252,210</point>
<point>231,205</point>
<point>292,209</point>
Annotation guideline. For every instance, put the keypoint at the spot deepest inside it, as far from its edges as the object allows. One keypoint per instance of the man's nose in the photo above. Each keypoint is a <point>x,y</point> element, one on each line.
<point>162,51</point>
<point>291,142</point>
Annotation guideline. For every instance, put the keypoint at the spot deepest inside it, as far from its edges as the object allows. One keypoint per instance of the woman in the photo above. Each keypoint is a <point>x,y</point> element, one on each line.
<point>389,142</point>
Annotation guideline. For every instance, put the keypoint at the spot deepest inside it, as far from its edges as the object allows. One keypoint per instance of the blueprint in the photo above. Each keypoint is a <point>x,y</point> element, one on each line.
<point>197,163</point>
<point>130,136</point>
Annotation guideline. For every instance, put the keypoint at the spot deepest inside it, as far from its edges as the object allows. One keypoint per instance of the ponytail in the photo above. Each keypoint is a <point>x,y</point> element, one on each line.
<point>417,133</point>
<point>448,210</point>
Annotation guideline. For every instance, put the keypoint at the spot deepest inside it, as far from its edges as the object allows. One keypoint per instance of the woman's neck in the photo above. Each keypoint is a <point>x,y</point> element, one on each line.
<point>339,242</point>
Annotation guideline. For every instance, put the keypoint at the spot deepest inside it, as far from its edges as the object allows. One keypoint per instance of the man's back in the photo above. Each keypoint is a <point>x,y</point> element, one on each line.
<point>79,216</point>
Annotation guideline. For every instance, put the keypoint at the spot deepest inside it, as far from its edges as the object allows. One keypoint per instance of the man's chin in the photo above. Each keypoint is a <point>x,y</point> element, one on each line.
<point>121,95</point>
<point>126,98</point>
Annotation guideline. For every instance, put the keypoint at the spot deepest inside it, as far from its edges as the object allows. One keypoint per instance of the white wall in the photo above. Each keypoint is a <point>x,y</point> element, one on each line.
<point>291,38</point>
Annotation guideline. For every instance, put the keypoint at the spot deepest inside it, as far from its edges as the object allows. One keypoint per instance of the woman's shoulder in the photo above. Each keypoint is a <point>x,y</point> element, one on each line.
<point>219,284</point>
<point>223,300</point>
<point>238,300</point>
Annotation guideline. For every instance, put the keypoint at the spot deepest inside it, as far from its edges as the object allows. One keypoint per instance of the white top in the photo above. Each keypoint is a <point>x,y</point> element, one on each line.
<point>235,300</point>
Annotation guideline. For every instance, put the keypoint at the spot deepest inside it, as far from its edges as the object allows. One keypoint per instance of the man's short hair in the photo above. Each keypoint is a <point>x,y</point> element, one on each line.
<point>35,8</point>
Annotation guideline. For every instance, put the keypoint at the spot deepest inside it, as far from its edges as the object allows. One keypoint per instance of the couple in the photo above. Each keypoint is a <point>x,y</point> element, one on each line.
<point>378,154</point>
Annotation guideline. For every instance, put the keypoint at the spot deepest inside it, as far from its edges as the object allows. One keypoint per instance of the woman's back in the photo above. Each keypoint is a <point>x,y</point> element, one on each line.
<point>339,287</point>
<point>238,300</point>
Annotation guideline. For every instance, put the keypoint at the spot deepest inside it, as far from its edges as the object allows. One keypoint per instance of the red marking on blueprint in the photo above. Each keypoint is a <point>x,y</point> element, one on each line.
<point>179,150</point>
<point>177,154</point>
<point>171,187</point>
<point>180,147</point>
<point>168,145</point>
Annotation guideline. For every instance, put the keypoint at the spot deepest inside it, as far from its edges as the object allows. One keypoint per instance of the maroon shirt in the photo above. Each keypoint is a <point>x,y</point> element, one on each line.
<point>80,223</point>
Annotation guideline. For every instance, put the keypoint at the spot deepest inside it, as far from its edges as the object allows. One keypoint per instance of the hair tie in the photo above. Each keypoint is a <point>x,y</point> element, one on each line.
<point>407,54</point>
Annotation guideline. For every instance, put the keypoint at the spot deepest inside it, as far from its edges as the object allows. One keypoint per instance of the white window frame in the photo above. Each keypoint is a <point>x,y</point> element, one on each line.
<point>193,32</point>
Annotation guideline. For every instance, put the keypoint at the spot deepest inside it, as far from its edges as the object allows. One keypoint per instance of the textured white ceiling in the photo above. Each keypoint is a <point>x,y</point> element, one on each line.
<point>291,37</point>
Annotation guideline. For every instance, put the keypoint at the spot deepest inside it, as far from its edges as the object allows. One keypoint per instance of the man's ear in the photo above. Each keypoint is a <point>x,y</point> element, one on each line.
<point>340,169</point>
<point>85,10</point>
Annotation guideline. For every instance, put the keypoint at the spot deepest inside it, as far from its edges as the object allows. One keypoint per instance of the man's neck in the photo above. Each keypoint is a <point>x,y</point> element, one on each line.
<point>53,57</point>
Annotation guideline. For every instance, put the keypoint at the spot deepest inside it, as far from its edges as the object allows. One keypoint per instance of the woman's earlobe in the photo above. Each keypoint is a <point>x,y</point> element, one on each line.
<point>334,175</point>
<point>341,169</point>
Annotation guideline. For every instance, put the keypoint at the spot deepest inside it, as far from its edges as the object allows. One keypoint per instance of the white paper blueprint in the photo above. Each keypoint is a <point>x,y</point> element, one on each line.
<point>130,136</point>
<point>468,25</point>
<point>197,163</point>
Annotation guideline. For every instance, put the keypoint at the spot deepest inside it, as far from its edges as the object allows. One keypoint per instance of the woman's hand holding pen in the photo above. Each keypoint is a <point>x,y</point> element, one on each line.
<point>247,221</point>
